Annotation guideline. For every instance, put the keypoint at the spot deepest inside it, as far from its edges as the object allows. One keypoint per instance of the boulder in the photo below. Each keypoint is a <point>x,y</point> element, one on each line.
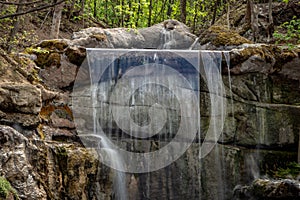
<point>20,103</point>
<point>154,37</point>
<point>269,189</point>
<point>17,97</point>
<point>221,37</point>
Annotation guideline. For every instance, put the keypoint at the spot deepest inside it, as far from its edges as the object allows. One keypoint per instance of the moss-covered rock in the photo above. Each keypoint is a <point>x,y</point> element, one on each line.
<point>27,67</point>
<point>54,45</point>
<point>271,57</point>
<point>222,36</point>
<point>76,55</point>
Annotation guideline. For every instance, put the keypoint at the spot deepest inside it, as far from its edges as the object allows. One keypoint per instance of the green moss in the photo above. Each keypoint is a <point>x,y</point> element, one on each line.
<point>268,53</point>
<point>6,188</point>
<point>27,68</point>
<point>62,152</point>
<point>38,50</point>
<point>48,52</point>
<point>222,36</point>
<point>54,45</point>
<point>76,55</point>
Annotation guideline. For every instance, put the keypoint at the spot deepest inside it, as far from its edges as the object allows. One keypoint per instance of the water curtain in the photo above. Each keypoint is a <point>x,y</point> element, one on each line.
<point>142,97</point>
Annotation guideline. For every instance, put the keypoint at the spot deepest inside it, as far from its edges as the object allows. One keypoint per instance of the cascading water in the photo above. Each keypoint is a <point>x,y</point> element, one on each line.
<point>168,39</point>
<point>145,110</point>
<point>119,180</point>
<point>146,114</point>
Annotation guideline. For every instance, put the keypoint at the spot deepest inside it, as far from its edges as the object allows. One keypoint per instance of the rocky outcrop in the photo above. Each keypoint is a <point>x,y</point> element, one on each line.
<point>40,154</point>
<point>269,189</point>
<point>43,158</point>
<point>45,169</point>
<point>220,37</point>
<point>154,37</point>
<point>20,103</point>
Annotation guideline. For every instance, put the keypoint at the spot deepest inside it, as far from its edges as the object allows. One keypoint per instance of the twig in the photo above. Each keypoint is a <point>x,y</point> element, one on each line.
<point>20,4</point>
<point>31,10</point>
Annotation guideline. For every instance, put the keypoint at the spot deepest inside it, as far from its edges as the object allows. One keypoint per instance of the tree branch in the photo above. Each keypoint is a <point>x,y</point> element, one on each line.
<point>20,4</point>
<point>31,10</point>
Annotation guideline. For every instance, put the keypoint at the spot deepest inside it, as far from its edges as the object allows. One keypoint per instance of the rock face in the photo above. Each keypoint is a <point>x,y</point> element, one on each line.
<point>268,189</point>
<point>16,166</point>
<point>43,170</point>
<point>176,36</point>
<point>43,158</point>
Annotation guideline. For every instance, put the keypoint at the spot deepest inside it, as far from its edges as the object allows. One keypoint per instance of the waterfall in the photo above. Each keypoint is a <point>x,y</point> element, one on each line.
<point>104,148</point>
<point>167,38</point>
<point>146,114</point>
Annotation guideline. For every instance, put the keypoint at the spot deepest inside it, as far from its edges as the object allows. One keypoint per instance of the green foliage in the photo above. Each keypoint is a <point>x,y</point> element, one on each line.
<point>289,33</point>
<point>22,38</point>
<point>293,170</point>
<point>6,188</point>
<point>144,13</point>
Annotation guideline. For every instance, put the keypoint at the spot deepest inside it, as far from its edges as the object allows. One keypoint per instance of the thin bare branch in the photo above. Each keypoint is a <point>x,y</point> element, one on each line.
<point>20,4</point>
<point>31,10</point>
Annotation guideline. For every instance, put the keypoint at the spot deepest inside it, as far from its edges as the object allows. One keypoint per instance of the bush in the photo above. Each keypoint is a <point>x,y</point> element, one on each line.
<point>289,33</point>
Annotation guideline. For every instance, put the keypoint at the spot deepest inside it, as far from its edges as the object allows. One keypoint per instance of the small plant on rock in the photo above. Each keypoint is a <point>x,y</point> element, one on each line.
<point>6,188</point>
<point>292,171</point>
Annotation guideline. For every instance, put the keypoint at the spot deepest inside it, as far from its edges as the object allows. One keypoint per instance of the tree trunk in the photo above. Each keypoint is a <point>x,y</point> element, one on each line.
<point>169,10</point>
<point>270,27</point>
<point>95,9</point>
<point>215,12</point>
<point>228,14</point>
<point>71,7</point>
<point>248,13</point>
<point>254,22</point>
<point>15,28</point>
<point>251,18</point>
<point>138,15</point>
<point>183,11</point>
<point>81,12</point>
<point>56,21</point>
<point>150,13</point>
<point>122,13</point>
<point>299,150</point>
<point>195,17</point>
